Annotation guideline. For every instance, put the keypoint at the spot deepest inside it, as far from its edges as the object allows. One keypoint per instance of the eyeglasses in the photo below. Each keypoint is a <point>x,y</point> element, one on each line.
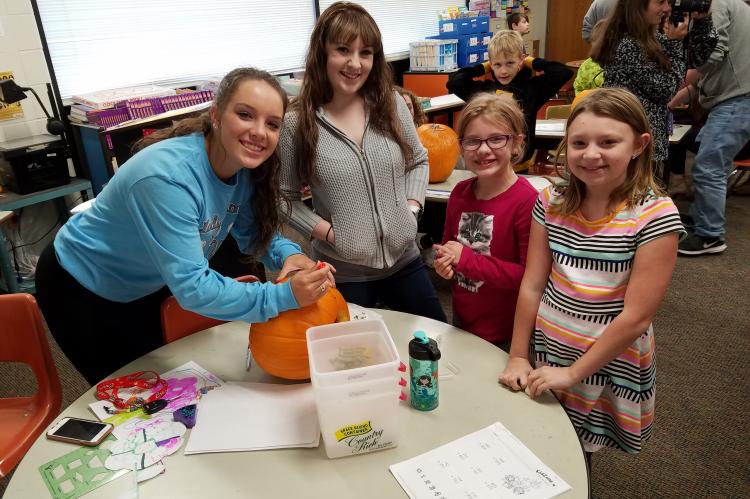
<point>493,142</point>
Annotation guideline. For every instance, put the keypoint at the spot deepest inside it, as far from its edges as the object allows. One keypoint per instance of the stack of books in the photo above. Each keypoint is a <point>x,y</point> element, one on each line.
<point>79,112</point>
<point>106,99</point>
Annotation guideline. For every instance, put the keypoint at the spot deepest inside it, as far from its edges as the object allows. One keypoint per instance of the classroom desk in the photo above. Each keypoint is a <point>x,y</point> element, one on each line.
<point>439,192</point>
<point>470,400</point>
<point>6,266</point>
<point>12,201</point>
<point>554,131</point>
<point>444,105</point>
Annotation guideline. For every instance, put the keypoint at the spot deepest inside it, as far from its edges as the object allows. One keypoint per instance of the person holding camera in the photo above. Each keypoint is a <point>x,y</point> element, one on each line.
<point>641,50</point>
<point>724,91</point>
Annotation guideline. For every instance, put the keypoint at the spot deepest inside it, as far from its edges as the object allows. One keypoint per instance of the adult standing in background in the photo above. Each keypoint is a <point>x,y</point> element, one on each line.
<point>724,90</point>
<point>350,137</point>
<point>640,50</point>
<point>151,232</point>
<point>598,11</point>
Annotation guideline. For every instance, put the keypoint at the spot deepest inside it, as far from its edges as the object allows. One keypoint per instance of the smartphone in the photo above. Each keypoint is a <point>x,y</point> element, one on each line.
<point>79,431</point>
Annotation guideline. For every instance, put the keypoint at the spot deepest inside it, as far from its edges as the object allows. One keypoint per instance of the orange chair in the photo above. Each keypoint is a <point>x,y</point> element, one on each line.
<point>176,322</point>
<point>23,339</point>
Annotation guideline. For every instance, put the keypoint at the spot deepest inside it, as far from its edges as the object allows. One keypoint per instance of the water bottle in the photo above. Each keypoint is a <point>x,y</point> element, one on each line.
<point>423,372</point>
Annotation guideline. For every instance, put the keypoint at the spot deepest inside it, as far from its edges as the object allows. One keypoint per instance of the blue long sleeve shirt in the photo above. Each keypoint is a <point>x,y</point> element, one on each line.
<point>158,221</point>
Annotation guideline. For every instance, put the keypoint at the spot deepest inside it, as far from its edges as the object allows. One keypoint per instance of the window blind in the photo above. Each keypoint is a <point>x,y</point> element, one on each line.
<point>105,44</point>
<point>402,21</point>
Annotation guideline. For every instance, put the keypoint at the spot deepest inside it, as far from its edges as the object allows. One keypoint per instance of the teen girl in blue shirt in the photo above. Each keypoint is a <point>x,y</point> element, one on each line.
<point>157,223</point>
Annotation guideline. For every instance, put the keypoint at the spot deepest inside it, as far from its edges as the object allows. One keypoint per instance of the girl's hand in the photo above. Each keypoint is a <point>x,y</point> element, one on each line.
<point>309,285</point>
<point>549,378</point>
<point>678,32</point>
<point>295,263</point>
<point>452,248</point>
<point>443,267</point>
<point>516,373</point>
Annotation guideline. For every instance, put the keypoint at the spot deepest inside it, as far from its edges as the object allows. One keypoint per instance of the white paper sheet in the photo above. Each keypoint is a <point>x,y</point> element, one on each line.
<point>489,463</point>
<point>445,100</point>
<point>255,416</point>
<point>357,313</point>
<point>550,126</point>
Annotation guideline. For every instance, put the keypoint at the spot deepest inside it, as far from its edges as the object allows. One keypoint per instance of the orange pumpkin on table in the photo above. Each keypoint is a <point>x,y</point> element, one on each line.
<point>279,345</point>
<point>442,147</point>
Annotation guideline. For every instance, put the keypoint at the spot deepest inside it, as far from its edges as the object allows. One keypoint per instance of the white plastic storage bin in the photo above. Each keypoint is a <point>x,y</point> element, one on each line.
<point>433,55</point>
<point>354,373</point>
<point>351,352</point>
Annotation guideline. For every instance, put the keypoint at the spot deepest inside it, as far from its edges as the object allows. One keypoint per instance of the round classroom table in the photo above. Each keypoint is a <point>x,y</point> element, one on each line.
<point>470,400</point>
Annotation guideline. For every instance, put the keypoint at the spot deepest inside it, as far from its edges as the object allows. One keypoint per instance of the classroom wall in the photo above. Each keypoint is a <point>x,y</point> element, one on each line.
<point>538,10</point>
<point>21,52</point>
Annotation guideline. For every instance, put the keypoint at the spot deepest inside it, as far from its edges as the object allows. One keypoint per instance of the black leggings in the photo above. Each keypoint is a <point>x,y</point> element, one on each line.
<point>99,336</point>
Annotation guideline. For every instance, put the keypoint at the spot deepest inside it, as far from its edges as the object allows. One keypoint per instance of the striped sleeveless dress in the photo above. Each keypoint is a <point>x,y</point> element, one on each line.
<point>591,262</point>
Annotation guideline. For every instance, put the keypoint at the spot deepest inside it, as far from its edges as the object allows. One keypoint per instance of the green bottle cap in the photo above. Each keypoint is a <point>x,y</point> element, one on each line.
<point>421,336</point>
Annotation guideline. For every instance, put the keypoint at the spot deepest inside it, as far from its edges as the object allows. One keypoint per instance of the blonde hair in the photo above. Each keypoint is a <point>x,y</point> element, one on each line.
<point>620,105</point>
<point>503,110</point>
<point>506,42</point>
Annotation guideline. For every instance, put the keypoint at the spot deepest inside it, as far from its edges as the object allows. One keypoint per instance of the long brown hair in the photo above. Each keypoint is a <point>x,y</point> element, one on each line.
<point>627,18</point>
<point>343,22</point>
<point>265,177</point>
<point>621,105</point>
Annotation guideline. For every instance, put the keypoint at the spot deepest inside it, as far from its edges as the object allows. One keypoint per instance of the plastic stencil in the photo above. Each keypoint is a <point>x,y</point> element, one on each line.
<point>79,472</point>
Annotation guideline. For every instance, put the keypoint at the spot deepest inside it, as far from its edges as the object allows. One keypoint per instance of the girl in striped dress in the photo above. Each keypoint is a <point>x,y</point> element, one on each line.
<point>601,252</point>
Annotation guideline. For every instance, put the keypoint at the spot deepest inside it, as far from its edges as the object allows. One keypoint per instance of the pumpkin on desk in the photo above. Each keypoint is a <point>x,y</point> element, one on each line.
<point>279,345</point>
<point>442,147</point>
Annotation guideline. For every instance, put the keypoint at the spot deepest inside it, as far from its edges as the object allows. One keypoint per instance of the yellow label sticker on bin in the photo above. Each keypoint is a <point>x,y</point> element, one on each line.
<point>353,430</point>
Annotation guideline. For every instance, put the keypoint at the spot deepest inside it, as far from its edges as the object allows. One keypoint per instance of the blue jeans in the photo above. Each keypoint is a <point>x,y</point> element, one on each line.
<point>408,290</point>
<point>725,133</point>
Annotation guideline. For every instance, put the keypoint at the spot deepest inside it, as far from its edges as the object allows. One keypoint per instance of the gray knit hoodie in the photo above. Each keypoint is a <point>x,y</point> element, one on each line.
<point>363,192</point>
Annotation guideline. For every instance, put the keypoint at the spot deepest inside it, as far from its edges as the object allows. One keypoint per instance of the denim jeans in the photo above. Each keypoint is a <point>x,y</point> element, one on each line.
<point>408,290</point>
<point>725,133</point>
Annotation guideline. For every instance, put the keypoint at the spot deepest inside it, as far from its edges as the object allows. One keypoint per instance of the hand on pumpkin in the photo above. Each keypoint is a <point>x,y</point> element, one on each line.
<point>299,261</point>
<point>309,285</point>
<point>294,262</point>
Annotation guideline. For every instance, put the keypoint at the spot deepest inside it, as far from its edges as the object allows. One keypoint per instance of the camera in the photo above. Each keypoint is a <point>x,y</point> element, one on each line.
<point>682,7</point>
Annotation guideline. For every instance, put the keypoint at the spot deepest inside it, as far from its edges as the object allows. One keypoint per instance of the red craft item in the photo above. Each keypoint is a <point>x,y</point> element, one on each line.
<point>141,380</point>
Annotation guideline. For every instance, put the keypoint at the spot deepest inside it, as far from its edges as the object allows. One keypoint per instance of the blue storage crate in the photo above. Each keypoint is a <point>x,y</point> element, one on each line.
<point>448,28</point>
<point>471,57</point>
<point>471,25</point>
<point>484,39</point>
<point>465,42</point>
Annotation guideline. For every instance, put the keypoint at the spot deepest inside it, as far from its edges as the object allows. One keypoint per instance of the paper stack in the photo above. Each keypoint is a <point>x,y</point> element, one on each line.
<point>255,416</point>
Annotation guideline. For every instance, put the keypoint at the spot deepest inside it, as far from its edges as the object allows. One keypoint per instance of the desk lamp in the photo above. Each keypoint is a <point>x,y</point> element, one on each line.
<point>11,92</point>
